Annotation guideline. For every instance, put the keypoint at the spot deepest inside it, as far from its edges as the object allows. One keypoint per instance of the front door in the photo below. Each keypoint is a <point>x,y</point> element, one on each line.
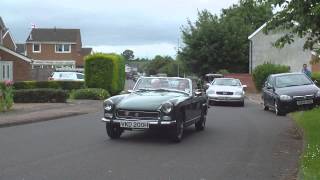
<point>6,70</point>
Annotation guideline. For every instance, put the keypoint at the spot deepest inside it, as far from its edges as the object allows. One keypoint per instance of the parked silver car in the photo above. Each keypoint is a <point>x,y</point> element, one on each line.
<point>226,90</point>
<point>67,76</point>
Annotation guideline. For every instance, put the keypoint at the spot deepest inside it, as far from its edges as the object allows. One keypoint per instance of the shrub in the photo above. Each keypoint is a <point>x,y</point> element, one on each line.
<point>6,96</point>
<point>261,72</point>
<point>106,71</point>
<point>65,85</point>
<point>223,71</point>
<point>316,76</point>
<point>40,95</point>
<point>90,93</point>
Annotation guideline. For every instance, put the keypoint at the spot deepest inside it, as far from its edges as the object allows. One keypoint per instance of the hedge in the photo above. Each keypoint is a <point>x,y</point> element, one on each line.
<point>261,72</point>
<point>40,95</point>
<point>65,85</point>
<point>316,76</point>
<point>106,71</point>
<point>90,93</point>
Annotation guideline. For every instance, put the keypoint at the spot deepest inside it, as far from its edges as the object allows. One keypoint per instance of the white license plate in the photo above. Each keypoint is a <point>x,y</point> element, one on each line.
<point>305,102</point>
<point>134,124</point>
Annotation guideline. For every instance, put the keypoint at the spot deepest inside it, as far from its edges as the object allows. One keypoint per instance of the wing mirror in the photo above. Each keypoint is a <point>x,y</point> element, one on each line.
<point>206,86</point>
<point>315,81</point>
<point>244,87</point>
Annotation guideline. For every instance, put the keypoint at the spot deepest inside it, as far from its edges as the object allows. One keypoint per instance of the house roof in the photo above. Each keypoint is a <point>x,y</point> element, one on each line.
<point>25,58</point>
<point>1,23</point>
<point>257,31</point>
<point>86,51</point>
<point>20,48</point>
<point>53,35</point>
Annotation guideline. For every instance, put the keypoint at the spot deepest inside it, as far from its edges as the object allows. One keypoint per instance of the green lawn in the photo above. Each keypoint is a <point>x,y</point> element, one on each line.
<point>309,121</point>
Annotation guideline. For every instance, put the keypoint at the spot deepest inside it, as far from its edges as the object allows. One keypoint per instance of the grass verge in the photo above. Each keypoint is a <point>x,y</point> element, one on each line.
<point>309,121</point>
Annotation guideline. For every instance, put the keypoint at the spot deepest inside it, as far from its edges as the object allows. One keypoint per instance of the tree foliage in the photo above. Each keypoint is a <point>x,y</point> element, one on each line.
<point>128,54</point>
<point>297,18</point>
<point>221,42</point>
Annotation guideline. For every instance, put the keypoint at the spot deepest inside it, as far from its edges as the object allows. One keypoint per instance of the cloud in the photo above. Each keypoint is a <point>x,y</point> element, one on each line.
<point>117,23</point>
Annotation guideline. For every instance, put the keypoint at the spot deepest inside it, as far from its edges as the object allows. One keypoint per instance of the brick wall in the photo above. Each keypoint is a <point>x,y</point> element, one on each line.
<point>246,79</point>
<point>48,53</point>
<point>316,67</point>
<point>21,68</point>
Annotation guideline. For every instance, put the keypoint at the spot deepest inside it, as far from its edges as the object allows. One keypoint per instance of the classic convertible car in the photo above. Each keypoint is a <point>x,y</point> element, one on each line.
<point>156,102</point>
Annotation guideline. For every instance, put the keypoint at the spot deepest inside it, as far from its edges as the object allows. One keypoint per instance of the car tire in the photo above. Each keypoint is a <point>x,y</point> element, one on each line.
<point>177,132</point>
<point>114,132</point>
<point>265,107</point>
<point>241,104</point>
<point>201,124</point>
<point>278,110</point>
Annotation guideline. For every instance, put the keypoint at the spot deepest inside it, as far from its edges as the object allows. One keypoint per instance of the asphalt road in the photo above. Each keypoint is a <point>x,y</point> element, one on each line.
<point>238,143</point>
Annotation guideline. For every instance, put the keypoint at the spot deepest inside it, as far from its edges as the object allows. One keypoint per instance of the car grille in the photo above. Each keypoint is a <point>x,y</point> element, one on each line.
<point>128,114</point>
<point>301,98</point>
<point>224,93</point>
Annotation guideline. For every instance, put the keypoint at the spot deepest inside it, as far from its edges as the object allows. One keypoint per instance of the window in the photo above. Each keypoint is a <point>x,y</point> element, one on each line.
<point>6,70</point>
<point>36,48</point>
<point>63,48</point>
<point>80,76</point>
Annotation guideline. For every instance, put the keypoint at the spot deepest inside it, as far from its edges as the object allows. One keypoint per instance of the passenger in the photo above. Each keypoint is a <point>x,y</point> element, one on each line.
<point>155,83</point>
<point>183,85</point>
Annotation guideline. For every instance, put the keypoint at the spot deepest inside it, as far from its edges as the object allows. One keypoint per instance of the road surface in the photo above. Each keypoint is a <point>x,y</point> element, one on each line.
<point>238,143</point>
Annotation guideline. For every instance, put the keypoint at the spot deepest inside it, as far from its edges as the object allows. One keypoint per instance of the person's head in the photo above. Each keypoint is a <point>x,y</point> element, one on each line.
<point>305,66</point>
<point>155,83</point>
<point>183,85</point>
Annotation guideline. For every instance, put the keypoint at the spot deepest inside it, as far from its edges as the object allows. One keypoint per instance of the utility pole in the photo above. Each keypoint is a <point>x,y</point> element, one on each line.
<point>177,55</point>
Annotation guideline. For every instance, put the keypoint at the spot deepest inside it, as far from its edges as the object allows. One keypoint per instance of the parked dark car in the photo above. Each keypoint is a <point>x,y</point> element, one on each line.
<point>167,103</point>
<point>287,92</point>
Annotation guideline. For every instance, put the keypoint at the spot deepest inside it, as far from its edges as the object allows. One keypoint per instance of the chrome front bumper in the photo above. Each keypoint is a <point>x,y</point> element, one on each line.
<point>226,98</point>
<point>151,122</point>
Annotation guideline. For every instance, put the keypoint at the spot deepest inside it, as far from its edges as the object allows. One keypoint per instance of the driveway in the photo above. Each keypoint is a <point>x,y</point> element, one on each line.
<point>239,143</point>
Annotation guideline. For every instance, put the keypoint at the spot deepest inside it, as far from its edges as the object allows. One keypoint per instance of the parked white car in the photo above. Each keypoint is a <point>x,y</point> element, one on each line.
<point>226,90</point>
<point>67,76</point>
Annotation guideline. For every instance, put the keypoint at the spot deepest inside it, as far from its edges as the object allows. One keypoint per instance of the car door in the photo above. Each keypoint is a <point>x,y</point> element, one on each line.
<point>269,91</point>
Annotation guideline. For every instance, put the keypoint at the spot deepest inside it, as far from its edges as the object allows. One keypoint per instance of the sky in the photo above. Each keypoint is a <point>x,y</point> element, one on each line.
<point>148,27</point>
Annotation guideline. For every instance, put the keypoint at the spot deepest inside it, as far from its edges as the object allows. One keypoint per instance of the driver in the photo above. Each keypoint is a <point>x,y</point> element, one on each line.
<point>183,85</point>
<point>155,83</point>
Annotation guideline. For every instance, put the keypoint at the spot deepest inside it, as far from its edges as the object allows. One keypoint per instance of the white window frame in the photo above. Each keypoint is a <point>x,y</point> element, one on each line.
<point>34,50</point>
<point>63,51</point>
<point>4,73</point>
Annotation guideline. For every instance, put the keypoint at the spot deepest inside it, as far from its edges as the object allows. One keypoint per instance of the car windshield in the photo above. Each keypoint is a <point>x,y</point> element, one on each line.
<point>226,82</point>
<point>292,80</point>
<point>164,84</point>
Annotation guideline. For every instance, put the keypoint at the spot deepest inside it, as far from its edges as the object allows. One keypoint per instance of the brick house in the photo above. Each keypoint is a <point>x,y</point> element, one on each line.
<point>13,66</point>
<point>55,48</point>
<point>262,50</point>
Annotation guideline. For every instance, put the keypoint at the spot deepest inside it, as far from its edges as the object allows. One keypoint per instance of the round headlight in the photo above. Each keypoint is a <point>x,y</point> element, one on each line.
<point>167,107</point>
<point>108,105</point>
<point>285,98</point>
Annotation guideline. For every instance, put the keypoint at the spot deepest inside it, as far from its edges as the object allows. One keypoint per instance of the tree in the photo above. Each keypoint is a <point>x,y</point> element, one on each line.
<point>297,18</point>
<point>128,54</point>
<point>221,42</point>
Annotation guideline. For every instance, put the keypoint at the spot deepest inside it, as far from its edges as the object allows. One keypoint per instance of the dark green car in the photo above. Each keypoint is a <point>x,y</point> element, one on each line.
<point>167,103</point>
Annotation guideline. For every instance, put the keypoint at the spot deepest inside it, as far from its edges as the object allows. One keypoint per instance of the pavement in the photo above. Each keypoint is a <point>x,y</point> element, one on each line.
<point>254,97</point>
<point>23,113</point>
<point>243,143</point>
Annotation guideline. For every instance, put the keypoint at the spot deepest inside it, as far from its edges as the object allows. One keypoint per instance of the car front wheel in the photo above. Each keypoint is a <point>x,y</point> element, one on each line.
<point>177,132</point>
<point>113,131</point>
<point>201,124</point>
<point>265,106</point>
<point>278,110</point>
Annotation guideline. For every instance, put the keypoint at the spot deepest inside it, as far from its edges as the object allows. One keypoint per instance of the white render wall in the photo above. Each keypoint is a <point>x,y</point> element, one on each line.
<point>292,55</point>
